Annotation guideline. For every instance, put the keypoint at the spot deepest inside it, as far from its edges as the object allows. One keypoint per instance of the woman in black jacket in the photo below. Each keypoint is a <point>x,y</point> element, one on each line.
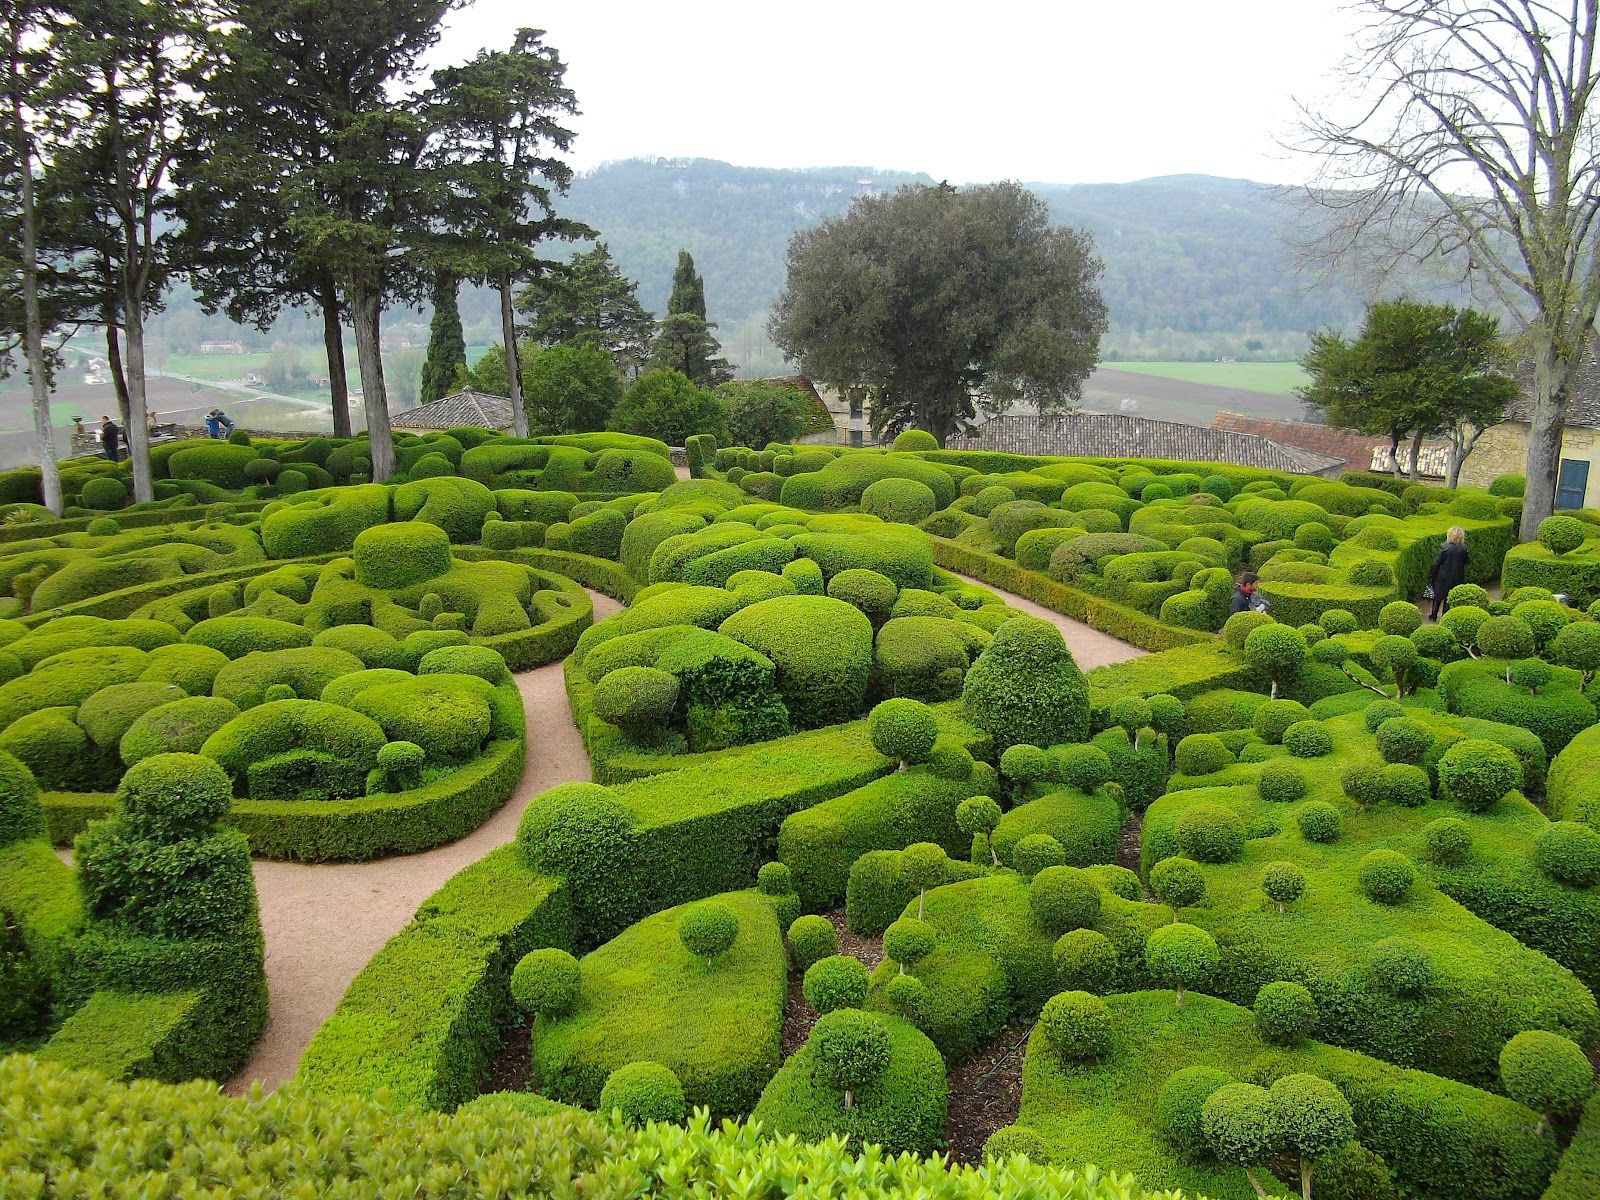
<point>1449,569</point>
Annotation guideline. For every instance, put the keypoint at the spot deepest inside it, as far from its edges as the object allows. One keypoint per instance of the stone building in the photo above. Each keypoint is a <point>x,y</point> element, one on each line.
<point>1503,448</point>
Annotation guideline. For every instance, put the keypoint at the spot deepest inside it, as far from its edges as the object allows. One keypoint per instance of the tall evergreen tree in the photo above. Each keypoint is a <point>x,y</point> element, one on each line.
<point>447,345</point>
<point>685,343</point>
<point>588,300</point>
<point>688,288</point>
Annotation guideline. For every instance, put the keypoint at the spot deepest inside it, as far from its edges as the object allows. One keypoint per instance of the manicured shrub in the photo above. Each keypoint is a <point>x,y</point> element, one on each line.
<point>1085,960</point>
<point>1547,1072</point>
<point>812,939</point>
<point>978,816</point>
<point>924,865</point>
<point>1403,740</point>
<point>638,700</point>
<point>1310,1118</point>
<point>1273,719</point>
<point>545,982</point>
<point>1016,1141</point>
<point>398,555</point>
<point>1202,754</point>
<point>21,817</point>
<point>1308,739</point>
<point>821,647</point>
<point>1025,687</point>
<point>906,994</point>
<point>1447,841</point>
<point>873,592</point>
<point>1064,899</point>
<point>1405,785</point>
<point>1179,1104</point>
<point>1399,617</point>
<point>852,1050</point>
<point>775,879</point>
<point>837,981</point>
<point>1379,711</point>
<point>1475,773</point>
<point>1569,853</point>
<point>1400,966</point>
<point>1177,882</point>
<point>708,928</point>
<point>1082,768</point>
<point>1338,620</point>
<point>1077,1026</point>
<point>1282,882</point>
<point>1386,876</point>
<point>1352,1172</point>
<point>1210,833</point>
<point>1181,957</point>
<point>643,1092</point>
<point>1505,637</point>
<point>904,501</point>
<point>1238,1123</point>
<point>904,730</point>
<point>1318,821</point>
<point>908,941</point>
<point>909,441</point>
<point>1279,651</point>
<point>104,492</point>
<point>1561,535</point>
<point>1281,782</point>
<point>1285,1013</point>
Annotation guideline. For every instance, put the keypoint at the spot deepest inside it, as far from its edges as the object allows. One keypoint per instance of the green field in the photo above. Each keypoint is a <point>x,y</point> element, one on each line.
<point>1270,378</point>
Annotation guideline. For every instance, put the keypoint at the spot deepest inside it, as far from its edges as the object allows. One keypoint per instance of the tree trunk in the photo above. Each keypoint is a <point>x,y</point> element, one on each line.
<point>333,344</point>
<point>1551,384</point>
<point>137,430</point>
<point>1453,474</point>
<point>119,376</point>
<point>508,331</point>
<point>33,321</point>
<point>1394,455</point>
<point>1414,459</point>
<point>365,310</point>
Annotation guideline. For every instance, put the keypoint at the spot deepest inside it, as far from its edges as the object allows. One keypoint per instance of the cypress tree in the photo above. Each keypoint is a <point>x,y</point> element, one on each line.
<point>688,289</point>
<point>447,346</point>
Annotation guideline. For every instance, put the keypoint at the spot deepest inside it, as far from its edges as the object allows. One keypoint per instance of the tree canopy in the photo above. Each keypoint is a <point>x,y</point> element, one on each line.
<point>588,299</point>
<point>942,303</point>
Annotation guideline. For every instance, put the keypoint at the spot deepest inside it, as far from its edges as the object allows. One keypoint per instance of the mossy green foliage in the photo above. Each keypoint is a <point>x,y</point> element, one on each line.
<point>821,647</point>
<point>644,996</point>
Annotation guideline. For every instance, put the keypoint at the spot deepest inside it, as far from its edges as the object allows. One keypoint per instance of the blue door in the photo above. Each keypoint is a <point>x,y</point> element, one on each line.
<point>1572,483</point>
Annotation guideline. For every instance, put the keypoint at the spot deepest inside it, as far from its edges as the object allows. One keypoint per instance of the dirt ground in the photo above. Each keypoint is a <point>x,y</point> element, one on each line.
<point>1088,645</point>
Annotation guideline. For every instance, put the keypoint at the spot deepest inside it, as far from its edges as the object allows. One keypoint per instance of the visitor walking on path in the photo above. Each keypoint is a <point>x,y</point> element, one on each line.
<point>109,435</point>
<point>1449,569</point>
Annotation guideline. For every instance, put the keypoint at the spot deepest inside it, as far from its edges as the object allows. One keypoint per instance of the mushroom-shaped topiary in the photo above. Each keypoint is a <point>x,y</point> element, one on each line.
<point>1283,882</point>
<point>1446,841</point>
<point>812,939</point>
<point>1166,714</point>
<point>1279,651</point>
<point>1475,773</point>
<point>977,816</point>
<point>1063,899</point>
<point>168,797</point>
<point>1505,637</point>
<point>1577,646</point>
<point>1310,1117</point>
<point>1026,687</point>
<point>1210,833</point>
<point>1285,1013</point>
<point>1561,535</point>
<point>1403,740</point>
<point>1386,876</point>
<point>1180,1101</point>
<point>1181,956</point>
<point>642,1092</point>
<point>1085,961</point>
<point>1035,852</point>
<point>1237,1124</point>
<point>1399,617</point>
<point>1281,782</point>
<point>1077,1025</point>
<point>924,865</point>
<point>1569,853</point>
<point>637,700</point>
<point>1400,966</point>
<point>401,764</point>
<point>1177,882</point>
<point>1016,1141</point>
<point>852,1050</point>
<point>1547,1072</point>
<point>1338,620</point>
<point>546,983</point>
<point>1530,673</point>
<point>1024,764</point>
<point>1318,821</point>
<point>837,981</point>
<point>708,928</point>
<point>1395,658</point>
<point>1238,628</point>
<point>1132,715</point>
<point>904,730</point>
<point>905,994</point>
<point>908,941</point>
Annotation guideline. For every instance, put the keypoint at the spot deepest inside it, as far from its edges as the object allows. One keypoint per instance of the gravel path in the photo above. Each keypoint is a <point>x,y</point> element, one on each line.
<point>324,921</point>
<point>1088,645</point>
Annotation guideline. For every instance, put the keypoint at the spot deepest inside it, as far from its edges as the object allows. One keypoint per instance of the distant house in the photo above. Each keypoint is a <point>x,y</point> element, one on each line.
<point>221,347</point>
<point>1503,448</point>
<point>1114,435</point>
<point>466,407</point>
<point>1354,450</point>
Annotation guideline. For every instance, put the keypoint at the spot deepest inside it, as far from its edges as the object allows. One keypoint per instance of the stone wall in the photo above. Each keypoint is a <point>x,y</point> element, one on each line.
<point>1503,450</point>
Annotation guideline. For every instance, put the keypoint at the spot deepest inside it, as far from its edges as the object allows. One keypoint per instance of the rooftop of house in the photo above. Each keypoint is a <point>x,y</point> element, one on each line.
<point>464,408</point>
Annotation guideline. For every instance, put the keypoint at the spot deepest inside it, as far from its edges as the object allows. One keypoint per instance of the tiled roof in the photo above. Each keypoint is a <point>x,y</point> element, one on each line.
<point>1113,435</point>
<point>465,407</point>
<point>1354,449</point>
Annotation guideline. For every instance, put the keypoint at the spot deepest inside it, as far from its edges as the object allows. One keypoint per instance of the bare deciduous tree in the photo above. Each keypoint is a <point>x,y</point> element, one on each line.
<point>1467,130</point>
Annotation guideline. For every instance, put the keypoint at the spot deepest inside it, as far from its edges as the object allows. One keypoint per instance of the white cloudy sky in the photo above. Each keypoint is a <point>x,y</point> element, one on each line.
<point>1053,91</point>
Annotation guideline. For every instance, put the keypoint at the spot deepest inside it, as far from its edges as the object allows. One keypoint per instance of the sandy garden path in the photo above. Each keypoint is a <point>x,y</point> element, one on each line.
<point>1088,645</point>
<point>324,921</point>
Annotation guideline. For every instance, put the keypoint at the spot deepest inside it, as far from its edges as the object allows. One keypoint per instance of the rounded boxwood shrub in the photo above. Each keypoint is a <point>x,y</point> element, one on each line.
<point>638,700</point>
<point>949,759</point>
<point>1371,572</point>
<point>1181,956</point>
<point>1036,852</point>
<point>103,527</point>
<point>1446,841</point>
<point>1025,764</point>
<point>21,816</point>
<point>1569,853</point>
<point>1281,782</point>
<point>1352,1172</point>
<point>1077,1025</point>
<point>1283,882</point>
<point>545,982</point>
<point>1238,628</point>
<point>1202,754</point>
<point>1399,617</point>
<point>1085,960</point>
<point>1210,833</point>
<point>908,941</point>
<point>1273,719</point>
<point>1464,621</point>
<point>1475,773</point>
<point>1025,687</point>
<point>873,592</point>
<point>1177,882</point>
<point>1386,876</point>
<point>822,649</point>
<point>812,939</point>
<point>1063,899</point>
<point>775,879</point>
<point>1179,1103</point>
<point>1505,637</point>
<point>905,501</point>
<point>904,730</point>
<point>1557,534</point>
<point>1338,620</point>
<point>1277,650</point>
<point>708,928</point>
<point>1405,785</point>
<point>104,492</point>
<point>1547,1072</point>
<point>171,797</point>
<point>1379,711</point>
<point>905,994</point>
<point>1285,1013</point>
<point>1308,739</point>
<point>401,554</point>
<point>852,1049</point>
<point>1016,1141</point>
<point>642,1092</point>
<point>837,981</point>
<point>1403,740</point>
<point>1318,821</point>
<point>910,441</point>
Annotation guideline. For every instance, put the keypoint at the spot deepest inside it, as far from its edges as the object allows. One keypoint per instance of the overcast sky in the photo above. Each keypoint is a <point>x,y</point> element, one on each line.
<point>1056,91</point>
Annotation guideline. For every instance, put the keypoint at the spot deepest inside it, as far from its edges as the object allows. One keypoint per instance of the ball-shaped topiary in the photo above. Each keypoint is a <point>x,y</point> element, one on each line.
<point>1318,821</point>
<point>1063,899</point>
<point>708,928</point>
<point>775,879</point>
<point>977,814</point>
<point>1315,536</point>
<point>1283,882</point>
<point>1330,653</point>
<point>1394,656</point>
<point>910,441</point>
<point>1403,740</point>
<point>871,591</point>
<point>1371,572</point>
<point>1544,616</point>
<point>1547,1072</point>
<point>103,527</point>
<point>1237,1122</point>
<point>1475,773</point>
<point>1400,966</point>
<point>1577,646</point>
<point>1285,1013</point>
<point>1035,852</point>
<point>906,994</point>
<point>902,729</point>
<point>637,700</point>
<point>949,759</point>
<point>1085,960</point>
<point>1077,1025</point>
<point>1237,628</point>
<point>1083,768</point>
<point>1181,956</point>
<point>171,797</point>
<point>1386,876</point>
<point>1363,783</point>
<point>1166,714</point>
<point>851,1050</point>
<point>1530,673</point>
<point>1310,1116</point>
<point>1180,1102</point>
<point>1352,1172</point>
<point>812,939</point>
<point>642,1092</point>
<point>1131,714</point>
<point>1276,650</point>
<point>1379,711</point>
<point>1561,535</point>
<point>1210,833</point>
<point>1202,754</point>
<point>1026,687</point>
<point>1016,1141</point>
<point>837,981</point>
<point>1464,621</point>
<point>1281,782</point>
<point>1178,882</point>
<point>1446,841</point>
<point>1399,617</point>
<point>906,501</point>
<point>1308,739</point>
<point>104,492</point>
<point>908,941</point>
<point>1273,719</point>
<point>924,865</point>
<point>546,982</point>
<point>1569,853</point>
<point>1405,785</point>
<point>1505,637</point>
<point>1338,620</point>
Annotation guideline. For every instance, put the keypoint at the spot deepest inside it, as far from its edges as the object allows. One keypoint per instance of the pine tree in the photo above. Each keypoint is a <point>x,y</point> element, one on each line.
<point>447,346</point>
<point>688,288</point>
